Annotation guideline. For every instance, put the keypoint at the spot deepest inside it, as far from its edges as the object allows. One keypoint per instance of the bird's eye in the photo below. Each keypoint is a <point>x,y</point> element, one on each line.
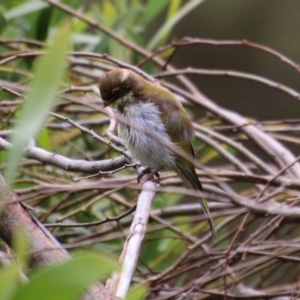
<point>115,92</point>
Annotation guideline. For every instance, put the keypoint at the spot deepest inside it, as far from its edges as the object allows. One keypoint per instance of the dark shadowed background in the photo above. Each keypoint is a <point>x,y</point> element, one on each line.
<point>273,23</point>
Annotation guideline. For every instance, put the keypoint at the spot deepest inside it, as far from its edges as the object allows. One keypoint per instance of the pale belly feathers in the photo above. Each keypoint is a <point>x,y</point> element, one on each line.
<point>141,141</point>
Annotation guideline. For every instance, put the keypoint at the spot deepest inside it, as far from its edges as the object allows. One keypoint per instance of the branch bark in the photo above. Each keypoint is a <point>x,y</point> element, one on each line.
<point>44,248</point>
<point>120,282</point>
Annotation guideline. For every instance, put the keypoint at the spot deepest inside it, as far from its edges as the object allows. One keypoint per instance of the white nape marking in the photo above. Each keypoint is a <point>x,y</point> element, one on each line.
<point>124,75</point>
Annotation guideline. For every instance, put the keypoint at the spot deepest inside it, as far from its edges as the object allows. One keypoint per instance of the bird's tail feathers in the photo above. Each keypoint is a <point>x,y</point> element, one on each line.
<point>206,211</point>
<point>189,176</point>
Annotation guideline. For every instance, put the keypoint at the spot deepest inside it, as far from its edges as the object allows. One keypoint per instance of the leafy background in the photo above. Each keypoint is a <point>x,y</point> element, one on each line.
<point>251,178</point>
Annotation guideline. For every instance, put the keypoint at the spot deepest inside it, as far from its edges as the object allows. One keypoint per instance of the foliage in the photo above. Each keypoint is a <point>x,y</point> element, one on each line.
<point>64,281</point>
<point>83,187</point>
<point>39,98</point>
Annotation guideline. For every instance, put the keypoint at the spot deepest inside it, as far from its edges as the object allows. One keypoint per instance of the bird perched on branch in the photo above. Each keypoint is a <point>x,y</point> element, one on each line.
<point>154,126</point>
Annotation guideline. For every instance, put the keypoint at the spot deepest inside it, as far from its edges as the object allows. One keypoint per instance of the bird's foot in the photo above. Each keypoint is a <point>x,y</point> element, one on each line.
<point>148,174</point>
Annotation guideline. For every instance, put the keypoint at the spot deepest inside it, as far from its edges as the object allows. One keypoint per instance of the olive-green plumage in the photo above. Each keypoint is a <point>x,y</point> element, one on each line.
<point>157,116</point>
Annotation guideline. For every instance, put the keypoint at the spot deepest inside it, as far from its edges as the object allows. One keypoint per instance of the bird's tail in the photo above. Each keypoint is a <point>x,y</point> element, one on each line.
<point>206,211</point>
<point>188,175</point>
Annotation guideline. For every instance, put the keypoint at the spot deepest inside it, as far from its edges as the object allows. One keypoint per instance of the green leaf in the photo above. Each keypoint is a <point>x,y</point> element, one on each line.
<point>109,10</point>
<point>49,72</point>
<point>153,8</point>
<point>137,292</point>
<point>68,280</point>
<point>9,281</point>
<point>21,247</point>
<point>25,8</point>
<point>2,22</point>
<point>172,21</point>
<point>173,8</point>
<point>43,139</point>
<point>42,25</point>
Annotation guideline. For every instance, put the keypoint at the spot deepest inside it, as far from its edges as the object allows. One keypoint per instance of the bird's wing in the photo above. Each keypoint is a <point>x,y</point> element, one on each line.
<point>185,168</point>
<point>180,129</point>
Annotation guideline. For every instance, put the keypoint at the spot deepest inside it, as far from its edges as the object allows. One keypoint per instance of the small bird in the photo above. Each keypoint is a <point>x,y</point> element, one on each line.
<point>153,117</point>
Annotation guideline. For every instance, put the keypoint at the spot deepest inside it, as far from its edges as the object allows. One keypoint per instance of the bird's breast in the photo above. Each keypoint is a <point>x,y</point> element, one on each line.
<point>143,134</point>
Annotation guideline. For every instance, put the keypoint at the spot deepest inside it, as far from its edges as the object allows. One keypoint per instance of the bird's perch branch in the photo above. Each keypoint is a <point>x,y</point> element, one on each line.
<point>120,282</point>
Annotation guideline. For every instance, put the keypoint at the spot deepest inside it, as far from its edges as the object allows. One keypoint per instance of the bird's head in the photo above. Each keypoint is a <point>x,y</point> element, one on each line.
<point>116,84</point>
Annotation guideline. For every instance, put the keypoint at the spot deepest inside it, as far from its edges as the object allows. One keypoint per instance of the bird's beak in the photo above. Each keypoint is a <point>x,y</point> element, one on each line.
<point>107,103</point>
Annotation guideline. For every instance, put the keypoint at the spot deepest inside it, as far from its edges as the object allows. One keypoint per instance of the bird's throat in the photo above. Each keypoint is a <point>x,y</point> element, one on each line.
<point>124,102</point>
